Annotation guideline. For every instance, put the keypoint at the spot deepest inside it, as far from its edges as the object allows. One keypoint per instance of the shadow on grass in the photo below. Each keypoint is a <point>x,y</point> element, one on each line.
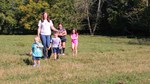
<point>143,41</point>
<point>25,54</point>
<point>27,61</point>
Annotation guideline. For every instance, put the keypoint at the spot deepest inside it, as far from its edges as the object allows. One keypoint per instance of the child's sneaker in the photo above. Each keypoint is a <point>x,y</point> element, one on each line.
<point>34,65</point>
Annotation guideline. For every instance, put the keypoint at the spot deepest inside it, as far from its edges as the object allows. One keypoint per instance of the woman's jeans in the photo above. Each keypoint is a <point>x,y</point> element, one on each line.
<point>46,43</point>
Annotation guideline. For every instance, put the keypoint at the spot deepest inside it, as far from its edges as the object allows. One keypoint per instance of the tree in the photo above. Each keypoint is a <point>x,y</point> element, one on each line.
<point>31,13</point>
<point>89,14</point>
<point>63,11</point>
<point>146,2</point>
<point>8,12</point>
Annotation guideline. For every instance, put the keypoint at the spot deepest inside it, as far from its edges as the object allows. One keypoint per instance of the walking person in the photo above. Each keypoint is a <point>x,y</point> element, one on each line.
<point>74,41</point>
<point>36,52</point>
<point>55,45</point>
<point>44,32</point>
<point>62,35</point>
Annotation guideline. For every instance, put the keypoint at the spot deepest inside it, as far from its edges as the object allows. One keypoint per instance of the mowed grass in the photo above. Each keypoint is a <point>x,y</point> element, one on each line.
<point>100,60</point>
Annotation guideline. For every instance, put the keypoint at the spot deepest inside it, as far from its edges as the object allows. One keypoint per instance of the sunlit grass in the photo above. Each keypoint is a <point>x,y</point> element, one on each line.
<point>100,60</point>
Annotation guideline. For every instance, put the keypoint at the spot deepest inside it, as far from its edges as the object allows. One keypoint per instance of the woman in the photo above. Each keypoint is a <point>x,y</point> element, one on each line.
<point>44,32</point>
<point>62,35</point>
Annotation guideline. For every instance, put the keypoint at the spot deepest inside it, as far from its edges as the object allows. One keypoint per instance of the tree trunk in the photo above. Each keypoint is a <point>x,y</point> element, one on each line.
<point>146,2</point>
<point>97,19</point>
<point>98,15</point>
<point>88,17</point>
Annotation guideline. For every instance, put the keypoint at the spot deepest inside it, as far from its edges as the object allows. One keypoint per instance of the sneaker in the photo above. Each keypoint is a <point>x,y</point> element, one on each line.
<point>63,54</point>
<point>34,65</point>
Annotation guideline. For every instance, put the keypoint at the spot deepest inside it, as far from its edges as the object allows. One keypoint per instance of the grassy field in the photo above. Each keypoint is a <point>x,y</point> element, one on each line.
<point>100,60</point>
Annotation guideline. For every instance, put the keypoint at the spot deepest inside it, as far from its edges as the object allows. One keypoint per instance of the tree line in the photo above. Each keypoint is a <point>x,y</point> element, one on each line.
<point>109,17</point>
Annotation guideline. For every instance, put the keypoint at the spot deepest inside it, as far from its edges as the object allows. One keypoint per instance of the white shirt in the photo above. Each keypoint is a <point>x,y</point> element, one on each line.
<point>45,27</point>
<point>56,42</point>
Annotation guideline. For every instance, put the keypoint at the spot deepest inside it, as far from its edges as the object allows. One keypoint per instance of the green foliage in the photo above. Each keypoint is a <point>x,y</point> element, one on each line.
<point>125,15</point>
<point>8,14</point>
<point>2,19</point>
<point>116,9</point>
<point>31,13</point>
<point>145,20</point>
<point>63,11</point>
<point>59,11</point>
<point>10,20</point>
<point>115,15</point>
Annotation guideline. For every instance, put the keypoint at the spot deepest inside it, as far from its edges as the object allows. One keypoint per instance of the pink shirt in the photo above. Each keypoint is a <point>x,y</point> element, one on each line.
<point>74,38</point>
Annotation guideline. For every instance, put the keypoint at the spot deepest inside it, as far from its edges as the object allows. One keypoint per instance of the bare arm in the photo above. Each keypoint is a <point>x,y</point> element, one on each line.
<point>30,52</point>
<point>65,33</point>
<point>53,28</point>
<point>38,31</point>
<point>71,36</point>
<point>39,46</point>
<point>50,46</point>
<point>60,46</point>
<point>77,36</point>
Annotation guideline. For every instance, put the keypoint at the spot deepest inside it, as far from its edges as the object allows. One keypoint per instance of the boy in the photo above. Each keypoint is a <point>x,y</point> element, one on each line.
<point>56,45</point>
<point>37,51</point>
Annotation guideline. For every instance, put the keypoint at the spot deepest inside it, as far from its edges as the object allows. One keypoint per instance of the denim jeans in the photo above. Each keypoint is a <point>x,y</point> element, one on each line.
<point>46,43</point>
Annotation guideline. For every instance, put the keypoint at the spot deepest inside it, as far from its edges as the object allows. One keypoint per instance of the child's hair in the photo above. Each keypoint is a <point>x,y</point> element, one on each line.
<point>75,31</point>
<point>36,38</point>
<point>55,32</point>
<point>59,23</point>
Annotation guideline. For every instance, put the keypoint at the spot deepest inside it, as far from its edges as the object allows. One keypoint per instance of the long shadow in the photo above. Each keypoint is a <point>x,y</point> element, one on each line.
<point>25,54</point>
<point>27,61</point>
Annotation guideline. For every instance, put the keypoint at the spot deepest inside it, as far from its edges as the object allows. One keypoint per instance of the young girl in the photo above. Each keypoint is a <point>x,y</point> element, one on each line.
<point>74,40</point>
<point>62,35</point>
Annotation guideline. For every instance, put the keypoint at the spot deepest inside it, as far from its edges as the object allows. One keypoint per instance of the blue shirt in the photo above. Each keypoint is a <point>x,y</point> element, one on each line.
<point>37,52</point>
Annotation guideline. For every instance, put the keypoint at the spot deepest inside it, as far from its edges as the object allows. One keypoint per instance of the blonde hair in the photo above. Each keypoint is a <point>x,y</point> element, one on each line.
<point>36,38</point>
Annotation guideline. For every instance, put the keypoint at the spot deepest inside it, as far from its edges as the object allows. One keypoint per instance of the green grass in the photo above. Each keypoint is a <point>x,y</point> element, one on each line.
<point>100,60</point>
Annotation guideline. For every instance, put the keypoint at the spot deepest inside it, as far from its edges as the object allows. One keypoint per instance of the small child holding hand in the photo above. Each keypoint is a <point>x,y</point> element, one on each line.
<point>56,45</point>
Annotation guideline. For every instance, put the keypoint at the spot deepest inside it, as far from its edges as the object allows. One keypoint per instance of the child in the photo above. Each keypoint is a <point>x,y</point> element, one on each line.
<point>74,40</point>
<point>37,51</point>
<point>56,45</point>
<point>62,35</point>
